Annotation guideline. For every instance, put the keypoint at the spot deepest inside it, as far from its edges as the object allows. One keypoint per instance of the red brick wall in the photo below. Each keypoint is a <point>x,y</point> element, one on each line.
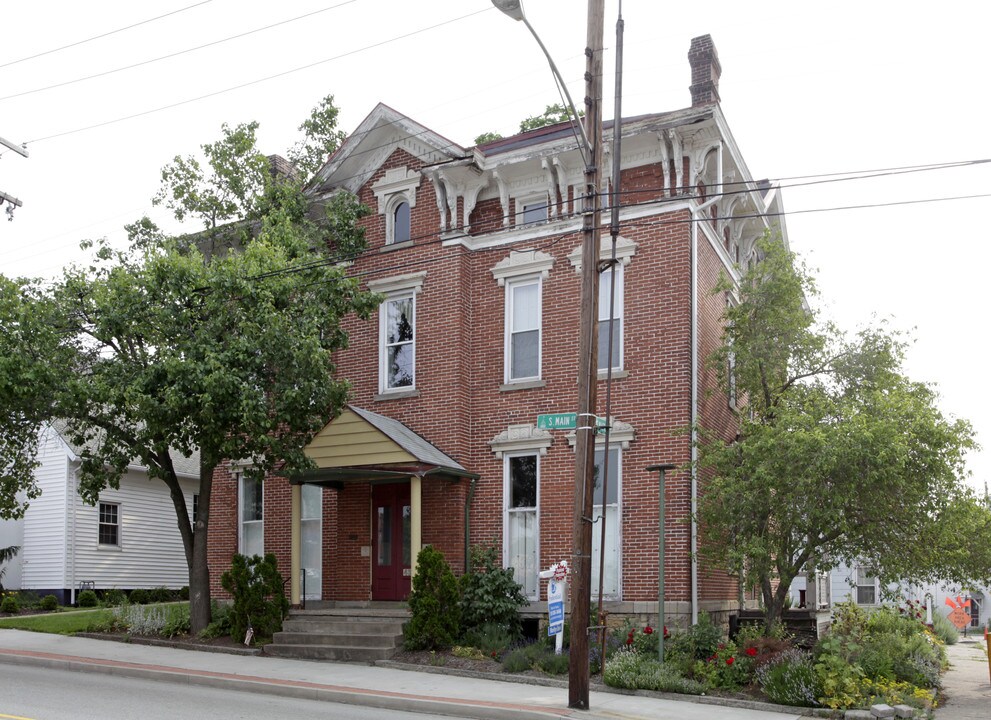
<point>460,407</point>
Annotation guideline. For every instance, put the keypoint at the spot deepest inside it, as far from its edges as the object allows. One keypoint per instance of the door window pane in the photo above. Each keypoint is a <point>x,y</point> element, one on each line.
<point>312,541</point>
<point>384,535</point>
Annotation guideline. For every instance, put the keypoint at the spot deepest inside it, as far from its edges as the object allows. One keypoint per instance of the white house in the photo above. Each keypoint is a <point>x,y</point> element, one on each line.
<point>128,539</point>
<point>856,584</point>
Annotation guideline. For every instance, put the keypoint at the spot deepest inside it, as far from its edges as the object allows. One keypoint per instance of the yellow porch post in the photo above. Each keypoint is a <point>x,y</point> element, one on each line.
<point>295,543</point>
<point>416,517</point>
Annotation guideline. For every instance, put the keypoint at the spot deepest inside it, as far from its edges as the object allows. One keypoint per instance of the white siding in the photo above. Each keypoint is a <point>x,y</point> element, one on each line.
<point>43,551</point>
<point>150,552</point>
<point>12,533</point>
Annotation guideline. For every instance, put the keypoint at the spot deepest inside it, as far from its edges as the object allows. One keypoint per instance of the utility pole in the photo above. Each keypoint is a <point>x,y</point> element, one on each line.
<point>4,197</point>
<point>578,672</point>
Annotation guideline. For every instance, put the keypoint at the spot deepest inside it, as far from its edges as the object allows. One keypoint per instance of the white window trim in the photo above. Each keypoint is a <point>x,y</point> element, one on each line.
<point>619,520</point>
<point>508,330</point>
<point>618,314</point>
<point>384,388</point>
<point>394,288</point>
<point>857,585</point>
<point>523,201</point>
<point>119,524</point>
<point>506,489</point>
<point>241,522</point>
<point>517,439</point>
<point>397,185</point>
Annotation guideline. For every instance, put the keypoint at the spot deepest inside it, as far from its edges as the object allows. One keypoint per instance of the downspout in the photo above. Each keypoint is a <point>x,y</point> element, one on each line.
<point>696,219</point>
<point>71,535</point>
<point>468,500</point>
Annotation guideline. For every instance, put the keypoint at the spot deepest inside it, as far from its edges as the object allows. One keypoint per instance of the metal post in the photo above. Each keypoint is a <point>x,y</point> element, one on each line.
<point>661,469</point>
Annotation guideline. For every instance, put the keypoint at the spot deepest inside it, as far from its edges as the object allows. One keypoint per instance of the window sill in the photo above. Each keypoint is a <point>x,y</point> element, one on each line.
<point>396,246</point>
<point>524,385</point>
<point>109,548</point>
<point>616,374</point>
<point>396,395</point>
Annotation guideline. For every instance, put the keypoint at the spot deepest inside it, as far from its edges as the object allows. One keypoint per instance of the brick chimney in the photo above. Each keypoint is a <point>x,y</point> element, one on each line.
<point>706,70</point>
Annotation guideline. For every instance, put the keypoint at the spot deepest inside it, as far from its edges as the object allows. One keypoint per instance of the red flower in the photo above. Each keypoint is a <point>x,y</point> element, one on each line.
<point>722,646</point>
<point>751,651</point>
<point>666,633</point>
<point>648,630</point>
<point>729,660</point>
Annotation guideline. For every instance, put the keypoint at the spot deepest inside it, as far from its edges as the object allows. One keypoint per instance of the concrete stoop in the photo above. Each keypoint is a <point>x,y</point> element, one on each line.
<point>340,634</point>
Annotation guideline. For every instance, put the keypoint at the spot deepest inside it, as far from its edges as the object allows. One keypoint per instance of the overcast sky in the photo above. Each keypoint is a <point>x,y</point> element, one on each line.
<point>808,90</point>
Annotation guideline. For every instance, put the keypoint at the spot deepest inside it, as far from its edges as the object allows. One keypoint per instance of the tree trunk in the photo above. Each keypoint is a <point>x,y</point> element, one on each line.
<point>199,570</point>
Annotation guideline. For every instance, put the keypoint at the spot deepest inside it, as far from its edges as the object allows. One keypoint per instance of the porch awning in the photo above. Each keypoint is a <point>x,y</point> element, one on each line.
<point>362,446</point>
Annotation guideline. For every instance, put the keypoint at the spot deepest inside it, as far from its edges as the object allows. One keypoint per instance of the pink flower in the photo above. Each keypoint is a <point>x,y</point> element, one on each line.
<point>722,646</point>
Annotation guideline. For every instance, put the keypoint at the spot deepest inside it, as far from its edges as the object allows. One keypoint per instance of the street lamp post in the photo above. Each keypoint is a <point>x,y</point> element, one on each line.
<point>591,141</point>
<point>663,468</point>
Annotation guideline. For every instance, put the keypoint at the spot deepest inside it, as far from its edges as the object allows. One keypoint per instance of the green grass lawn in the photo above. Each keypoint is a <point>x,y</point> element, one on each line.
<point>62,623</point>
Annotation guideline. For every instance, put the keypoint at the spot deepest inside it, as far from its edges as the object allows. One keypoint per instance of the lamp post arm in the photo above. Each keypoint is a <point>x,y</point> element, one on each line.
<point>575,117</point>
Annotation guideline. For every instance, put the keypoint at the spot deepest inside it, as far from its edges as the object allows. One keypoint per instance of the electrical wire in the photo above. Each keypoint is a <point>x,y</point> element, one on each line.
<point>177,53</point>
<point>103,35</point>
<point>257,80</point>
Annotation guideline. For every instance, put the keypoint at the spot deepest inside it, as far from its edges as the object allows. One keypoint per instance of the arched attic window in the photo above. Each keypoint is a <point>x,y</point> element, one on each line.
<point>400,216</point>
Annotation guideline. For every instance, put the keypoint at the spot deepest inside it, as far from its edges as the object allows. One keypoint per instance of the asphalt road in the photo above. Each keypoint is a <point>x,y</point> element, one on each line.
<point>28,693</point>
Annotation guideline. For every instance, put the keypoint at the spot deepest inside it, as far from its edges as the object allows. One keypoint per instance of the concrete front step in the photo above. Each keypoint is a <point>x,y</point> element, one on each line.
<point>341,634</point>
<point>332,640</point>
<point>328,652</point>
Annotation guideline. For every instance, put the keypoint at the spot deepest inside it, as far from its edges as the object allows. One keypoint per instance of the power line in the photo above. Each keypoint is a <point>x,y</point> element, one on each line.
<point>256,81</point>
<point>175,54</point>
<point>103,35</point>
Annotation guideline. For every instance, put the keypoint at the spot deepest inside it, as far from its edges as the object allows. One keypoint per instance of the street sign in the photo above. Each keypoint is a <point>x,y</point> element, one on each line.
<point>563,421</point>
<point>558,421</point>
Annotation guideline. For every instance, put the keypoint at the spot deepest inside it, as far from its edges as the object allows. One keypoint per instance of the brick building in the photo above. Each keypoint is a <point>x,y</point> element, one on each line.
<point>477,253</point>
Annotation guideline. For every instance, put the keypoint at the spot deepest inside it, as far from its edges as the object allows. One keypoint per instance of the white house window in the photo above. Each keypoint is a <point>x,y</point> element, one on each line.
<point>523,311</point>
<point>252,513</point>
<point>397,331</point>
<point>533,210</point>
<point>607,504</point>
<point>521,524</point>
<point>398,343</point>
<point>866,588</point>
<point>615,327</point>
<point>400,223</point>
<point>311,532</point>
<point>109,527</point>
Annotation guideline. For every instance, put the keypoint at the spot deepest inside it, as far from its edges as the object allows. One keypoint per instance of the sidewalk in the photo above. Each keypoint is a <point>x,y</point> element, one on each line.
<point>966,684</point>
<point>355,684</point>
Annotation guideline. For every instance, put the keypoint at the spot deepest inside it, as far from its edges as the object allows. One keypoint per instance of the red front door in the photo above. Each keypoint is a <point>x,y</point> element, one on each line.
<point>390,542</point>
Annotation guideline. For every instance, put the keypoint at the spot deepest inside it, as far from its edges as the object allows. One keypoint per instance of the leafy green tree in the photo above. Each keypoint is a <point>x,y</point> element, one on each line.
<point>434,604</point>
<point>162,349</point>
<point>553,114</point>
<point>839,456</point>
<point>6,555</point>
<point>487,137</point>
<point>255,584</point>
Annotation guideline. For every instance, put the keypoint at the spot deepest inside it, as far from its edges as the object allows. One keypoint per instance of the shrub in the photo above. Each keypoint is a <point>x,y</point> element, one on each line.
<point>49,603</point>
<point>490,594</point>
<point>114,597</point>
<point>220,624</point>
<point>790,679</point>
<point>160,620</point>
<point>183,593</point>
<point>553,664</point>
<point>517,661</point>
<point>259,603</point>
<point>630,669</point>
<point>9,605</point>
<point>139,596</point>
<point>435,613</point>
<point>944,629</point>
<point>87,598</point>
<point>161,595</point>
<point>491,639</point>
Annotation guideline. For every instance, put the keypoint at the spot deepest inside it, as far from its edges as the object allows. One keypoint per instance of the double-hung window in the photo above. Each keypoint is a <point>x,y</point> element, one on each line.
<point>523,327</point>
<point>398,342</point>
<point>866,588</point>
<point>606,504</point>
<point>109,527</point>
<point>613,327</point>
<point>521,522</point>
<point>252,514</point>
